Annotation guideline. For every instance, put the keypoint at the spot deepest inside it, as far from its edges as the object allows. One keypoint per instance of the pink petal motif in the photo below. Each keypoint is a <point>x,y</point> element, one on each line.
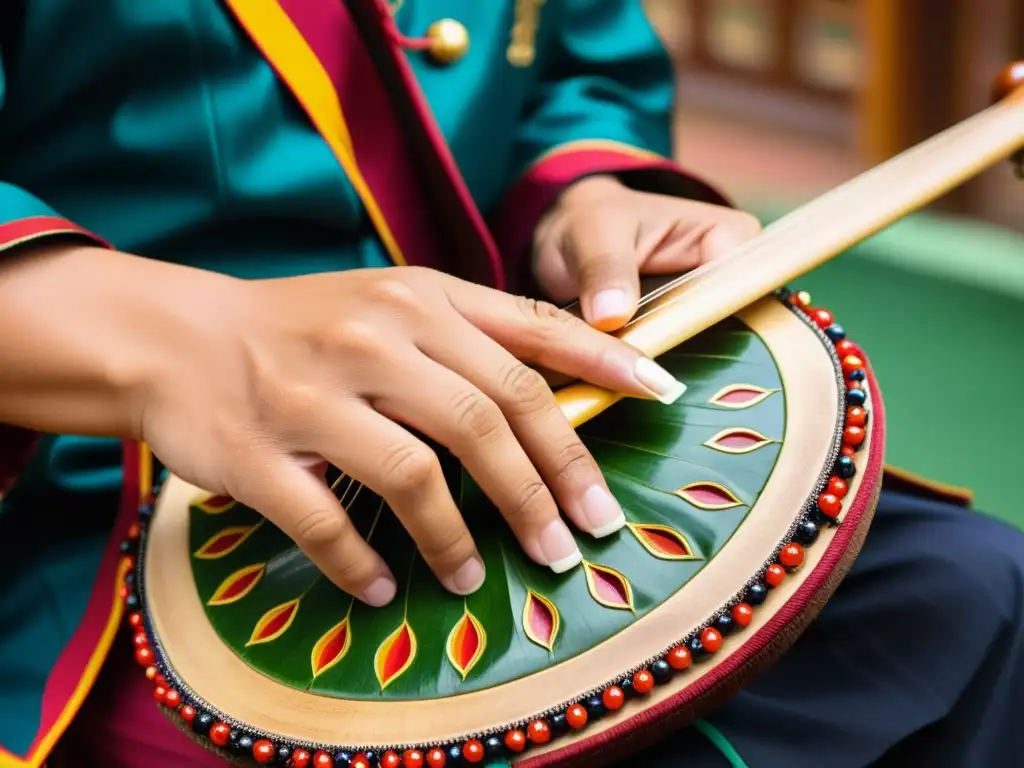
<point>662,541</point>
<point>331,647</point>
<point>213,504</point>
<point>708,495</point>
<point>274,623</point>
<point>395,655</point>
<point>608,587</point>
<point>741,396</point>
<point>238,584</point>
<point>738,440</point>
<point>466,643</point>
<point>541,620</point>
<point>226,541</point>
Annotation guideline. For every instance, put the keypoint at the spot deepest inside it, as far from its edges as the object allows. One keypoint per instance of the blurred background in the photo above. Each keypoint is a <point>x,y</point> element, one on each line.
<point>781,100</point>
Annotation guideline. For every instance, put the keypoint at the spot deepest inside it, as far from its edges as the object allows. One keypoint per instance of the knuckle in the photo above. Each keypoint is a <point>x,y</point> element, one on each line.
<point>572,457</point>
<point>542,313</point>
<point>476,417</point>
<point>397,294</point>
<point>320,527</point>
<point>525,387</point>
<point>532,495</point>
<point>447,547</point>
<point>353,338</point>
<point>408,468</point>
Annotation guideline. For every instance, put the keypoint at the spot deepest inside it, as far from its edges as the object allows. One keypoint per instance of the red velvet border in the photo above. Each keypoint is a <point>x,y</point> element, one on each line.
<point>758,641</point>
<point>20,231</point>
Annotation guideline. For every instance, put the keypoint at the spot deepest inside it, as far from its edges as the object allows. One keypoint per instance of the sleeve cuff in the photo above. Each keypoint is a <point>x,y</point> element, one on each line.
<point>26,230</point>
<point>537,189</point>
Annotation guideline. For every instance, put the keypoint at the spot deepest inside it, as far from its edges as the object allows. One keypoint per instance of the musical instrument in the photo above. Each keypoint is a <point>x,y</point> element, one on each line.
<point>747,502</point>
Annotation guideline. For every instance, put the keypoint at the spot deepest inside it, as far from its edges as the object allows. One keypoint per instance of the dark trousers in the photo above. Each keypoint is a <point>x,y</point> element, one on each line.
<point>918,660</point>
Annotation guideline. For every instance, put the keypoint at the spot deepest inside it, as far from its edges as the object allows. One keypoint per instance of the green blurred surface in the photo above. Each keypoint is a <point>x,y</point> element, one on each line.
<point>938,305</point>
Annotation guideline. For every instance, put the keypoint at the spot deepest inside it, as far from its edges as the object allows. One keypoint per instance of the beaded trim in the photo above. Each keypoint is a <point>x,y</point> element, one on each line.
<point>238,741</point>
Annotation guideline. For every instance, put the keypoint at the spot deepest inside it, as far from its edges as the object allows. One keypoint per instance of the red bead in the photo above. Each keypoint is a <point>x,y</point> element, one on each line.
<point>300,759</point>
<point>679,658</point>
<point>774,575</point>
<point>390,759</point>
<point>323,760</point>
<point>643,681</point>
<point>576,716</point>
<point>515,741</point>
<point>856,416</point>
<point>473,751</point>
<point>742,614</point>
<point>133,531</point>
<point>845,348</point>
<point>538,732</point>
<point>144,656</point>
<point>801,299</point>
<point>172,699</point>
<point>263,752</point>
<point>151,673</point>
<point>359,761</point>
<point>853,436</point>
<point>139,639</point>
<point>412,758</point>
<point>613,698</point>
<point>837,487</point>
<point>822,318</point>
<point>123,593</point>
<point>829,505</point>
<point>711,639</point>
<point>220,733</point>
<point>848,451</point>
<point>160,680</point>
<point>135,620</point>
<point>159,692</point>
<point>188,713</point>
<point>792,555</point>
<point>436,758</point>
<point>128,563</point>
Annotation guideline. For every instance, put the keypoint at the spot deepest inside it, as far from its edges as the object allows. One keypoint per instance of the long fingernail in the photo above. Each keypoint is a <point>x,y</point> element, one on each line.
<point>469,576</point>
<point>602,512</point>
<point>609,304</point>
<point>380,592</point>
<point>663,385</point>
<point>559,547</point>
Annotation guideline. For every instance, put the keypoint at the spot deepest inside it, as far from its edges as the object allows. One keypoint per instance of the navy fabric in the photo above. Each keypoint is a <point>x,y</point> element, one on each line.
<point>918,660</point>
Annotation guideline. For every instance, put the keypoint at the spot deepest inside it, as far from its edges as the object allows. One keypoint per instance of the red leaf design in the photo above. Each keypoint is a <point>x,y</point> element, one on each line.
<point>238,584</point>
<point>395,655</point>
<point>213,504</point>
<point>608,587</point>
<point>738,440</point>
<point>663,541</point>
<point>708,495</point>
<point>274,623</point>
<point>226,541</point>
<point>466,643</point>
<point>331,647</point>
<point>541,620</point>
<point>740,396</point>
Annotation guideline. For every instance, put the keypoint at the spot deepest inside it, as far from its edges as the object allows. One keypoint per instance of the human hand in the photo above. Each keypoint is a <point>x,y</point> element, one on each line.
<point>601,236</point>
<point>341,367</point>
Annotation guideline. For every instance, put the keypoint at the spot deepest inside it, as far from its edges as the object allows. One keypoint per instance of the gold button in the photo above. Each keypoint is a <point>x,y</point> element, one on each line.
<point>449,41</point>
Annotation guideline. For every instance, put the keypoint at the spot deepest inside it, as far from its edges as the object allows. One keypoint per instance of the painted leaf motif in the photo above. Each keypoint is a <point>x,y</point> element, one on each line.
<point>395,655</point>
<point>608,587</point>
<point>663,541</point>
<point>708,495</point>
<point>541,620</point>
<point>331,647</point>
<point>738,440</point>
<point>214,504</point>
<point>238,584</point>
<point>466,643</point>
<point>274,623</point>
<point>740,396</point>
<point>226,541</point>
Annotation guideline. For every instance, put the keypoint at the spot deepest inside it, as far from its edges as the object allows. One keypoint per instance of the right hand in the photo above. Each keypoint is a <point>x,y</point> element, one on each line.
<point>247,388</point>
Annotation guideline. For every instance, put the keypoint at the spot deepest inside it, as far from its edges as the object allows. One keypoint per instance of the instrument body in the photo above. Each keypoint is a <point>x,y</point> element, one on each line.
<point>747,501</point>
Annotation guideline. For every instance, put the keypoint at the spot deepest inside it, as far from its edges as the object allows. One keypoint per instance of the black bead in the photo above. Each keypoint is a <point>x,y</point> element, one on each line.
<point>697,648</point>
<point>806,532</point>
<point>244,744</point>
<point>201,722</point>
<point>756,594</point>
<point>342,759</point>
<point>835,332</point>
<point>284,754</point>
<point>129,579</point>
<point>145,511</point>
<point>371,757</point>
<point>454,755</point>
<point>595,708</point>
<point>494,748</point>
<point>131,602</point>
<point>785,293</point>
<point>858,375</point>
<point>126,546</point>
<point>626,684</point>
<point>845,467</point>
<point>233,738</point>
<point>661,672</point>
<point>725,624</point>
<point>856,397</point>
<point>558,723</point>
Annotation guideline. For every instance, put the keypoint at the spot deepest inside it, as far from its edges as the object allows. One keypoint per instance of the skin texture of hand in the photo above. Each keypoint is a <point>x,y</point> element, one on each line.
<point>601,237</point>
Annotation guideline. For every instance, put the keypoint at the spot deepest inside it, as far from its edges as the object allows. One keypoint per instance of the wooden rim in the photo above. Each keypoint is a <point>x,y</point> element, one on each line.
<point>212,670</point>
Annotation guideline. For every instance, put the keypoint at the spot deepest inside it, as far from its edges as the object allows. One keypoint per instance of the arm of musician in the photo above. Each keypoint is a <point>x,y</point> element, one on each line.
<point>602,105</point>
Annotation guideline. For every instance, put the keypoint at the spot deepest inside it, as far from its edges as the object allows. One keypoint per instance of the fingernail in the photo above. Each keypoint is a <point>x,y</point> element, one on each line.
<point>663,385</point>
<point>469,576</point>
<point>602,512</point>
<point>380,592</point>
<point>559,547</point>
<point>609,304</point>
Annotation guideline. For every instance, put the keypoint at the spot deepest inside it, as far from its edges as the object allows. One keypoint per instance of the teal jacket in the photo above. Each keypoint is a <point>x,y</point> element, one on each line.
<point>264,138</point>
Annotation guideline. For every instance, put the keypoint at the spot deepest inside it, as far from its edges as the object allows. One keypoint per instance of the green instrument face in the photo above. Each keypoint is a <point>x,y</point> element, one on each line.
<point>686,475</point>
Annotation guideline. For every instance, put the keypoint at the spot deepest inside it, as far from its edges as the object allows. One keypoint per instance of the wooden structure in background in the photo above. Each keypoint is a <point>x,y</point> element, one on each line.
<point>837,85</point>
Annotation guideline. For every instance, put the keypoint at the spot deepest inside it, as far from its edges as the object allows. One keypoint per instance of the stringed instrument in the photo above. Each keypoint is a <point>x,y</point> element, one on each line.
<point>747,502</point>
